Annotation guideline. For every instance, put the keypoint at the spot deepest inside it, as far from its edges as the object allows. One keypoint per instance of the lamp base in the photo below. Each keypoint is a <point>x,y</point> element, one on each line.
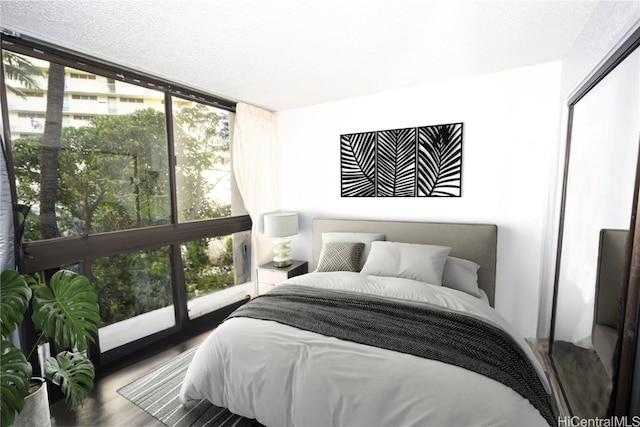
<point>281,252</point>
<point>282,264</point>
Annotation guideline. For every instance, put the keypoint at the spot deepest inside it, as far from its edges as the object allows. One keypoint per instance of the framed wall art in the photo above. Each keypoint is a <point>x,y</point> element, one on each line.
<point>411,162</point>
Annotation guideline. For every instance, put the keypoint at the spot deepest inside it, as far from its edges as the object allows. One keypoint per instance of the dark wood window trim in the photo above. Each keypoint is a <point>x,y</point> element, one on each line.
<point>47,254</point>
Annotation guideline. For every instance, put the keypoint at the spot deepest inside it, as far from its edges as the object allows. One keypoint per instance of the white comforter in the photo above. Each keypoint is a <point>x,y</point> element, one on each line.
<point>283,376</point>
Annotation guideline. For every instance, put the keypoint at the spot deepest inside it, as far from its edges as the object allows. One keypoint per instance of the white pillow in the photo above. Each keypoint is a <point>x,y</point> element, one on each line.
<point>366,238</point>
<point>408,260</point>
<point>461,274</point>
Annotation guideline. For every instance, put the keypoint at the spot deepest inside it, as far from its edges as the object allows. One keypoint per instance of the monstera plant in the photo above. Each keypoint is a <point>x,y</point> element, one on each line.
<point>65,312</point>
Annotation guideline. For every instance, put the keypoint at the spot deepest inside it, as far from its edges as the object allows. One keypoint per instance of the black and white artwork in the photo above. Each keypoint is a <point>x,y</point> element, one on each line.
<point>412,162</point>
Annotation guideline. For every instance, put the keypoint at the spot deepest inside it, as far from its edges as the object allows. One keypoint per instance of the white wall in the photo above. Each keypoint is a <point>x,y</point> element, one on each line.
<point>511,133</point>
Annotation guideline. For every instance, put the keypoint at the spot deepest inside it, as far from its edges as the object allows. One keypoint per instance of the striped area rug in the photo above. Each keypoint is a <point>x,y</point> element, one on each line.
<point>157,393</point>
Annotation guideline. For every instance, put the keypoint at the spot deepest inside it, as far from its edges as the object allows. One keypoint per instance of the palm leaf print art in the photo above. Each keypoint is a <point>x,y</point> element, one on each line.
<point>396,163</point>
<point>440,160</point>
<point>358,160</point>
<point>424,162</point>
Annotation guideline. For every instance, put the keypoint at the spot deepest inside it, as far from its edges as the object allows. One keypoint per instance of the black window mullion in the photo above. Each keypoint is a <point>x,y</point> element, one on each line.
<point>171,152</point>
<point>179,290</point>
<point>190,96</point>
<point>93,351</point>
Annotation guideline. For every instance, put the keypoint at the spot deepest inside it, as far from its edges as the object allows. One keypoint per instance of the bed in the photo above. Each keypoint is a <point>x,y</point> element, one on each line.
<point>394,327</point>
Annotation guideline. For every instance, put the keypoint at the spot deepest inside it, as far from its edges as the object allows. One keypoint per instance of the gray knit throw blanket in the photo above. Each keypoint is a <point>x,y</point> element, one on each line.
<point>413,328</point>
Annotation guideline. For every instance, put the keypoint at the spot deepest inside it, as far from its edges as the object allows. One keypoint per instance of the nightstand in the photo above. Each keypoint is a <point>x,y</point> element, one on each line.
<point>269,276</point>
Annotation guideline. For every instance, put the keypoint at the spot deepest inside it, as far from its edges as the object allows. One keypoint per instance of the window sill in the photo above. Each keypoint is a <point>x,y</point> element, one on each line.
<point>129,330</point>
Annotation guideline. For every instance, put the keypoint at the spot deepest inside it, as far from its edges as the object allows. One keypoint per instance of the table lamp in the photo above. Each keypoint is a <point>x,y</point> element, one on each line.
<point>280,226</point>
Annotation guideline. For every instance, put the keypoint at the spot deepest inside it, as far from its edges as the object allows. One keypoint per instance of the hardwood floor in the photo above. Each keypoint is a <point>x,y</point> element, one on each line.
<point>105,407</point>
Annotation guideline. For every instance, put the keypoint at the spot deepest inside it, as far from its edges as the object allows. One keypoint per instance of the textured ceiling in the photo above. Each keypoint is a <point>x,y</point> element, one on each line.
<point>282,54</point>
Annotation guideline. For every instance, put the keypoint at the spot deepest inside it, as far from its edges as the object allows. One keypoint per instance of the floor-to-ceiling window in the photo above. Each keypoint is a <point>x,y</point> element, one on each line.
<point>129,181</point>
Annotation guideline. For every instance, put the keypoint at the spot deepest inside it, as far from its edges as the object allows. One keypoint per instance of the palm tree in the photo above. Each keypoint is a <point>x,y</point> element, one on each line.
<point>17,67</point>
<point>20,69</point>
<point>51,151</point>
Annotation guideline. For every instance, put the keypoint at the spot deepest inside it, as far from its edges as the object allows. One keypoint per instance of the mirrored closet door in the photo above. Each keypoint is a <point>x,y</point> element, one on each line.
<point>598,200</point>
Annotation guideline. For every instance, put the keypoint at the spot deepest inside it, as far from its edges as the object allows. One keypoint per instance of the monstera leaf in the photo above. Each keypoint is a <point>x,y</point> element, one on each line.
<point>74,374</point>
<point>14,300</point>
<point>67,309</point>
<point>15,373</point>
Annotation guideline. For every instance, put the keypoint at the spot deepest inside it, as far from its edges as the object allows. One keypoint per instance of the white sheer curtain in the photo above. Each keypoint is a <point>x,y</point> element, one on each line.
<point>256,166</point>
<point>7,250</point>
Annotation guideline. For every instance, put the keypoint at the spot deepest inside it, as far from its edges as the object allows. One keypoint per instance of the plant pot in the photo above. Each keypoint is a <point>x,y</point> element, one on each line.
<point>36,406</point>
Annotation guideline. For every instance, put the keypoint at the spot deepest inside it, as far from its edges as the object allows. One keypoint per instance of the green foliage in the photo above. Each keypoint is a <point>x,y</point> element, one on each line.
<point>202,147</point>
<point>14,300</point>
<point>132,284</point>
<point>74,373</point>
<point>204,274</point>
<point>19,68</point>
<point>114,175</point>
<point>67,309</point>
<point>15,371</point>
<point>15,374</point>
<point>116,288</point>
<point>66,312</point>
<point>152,280</point>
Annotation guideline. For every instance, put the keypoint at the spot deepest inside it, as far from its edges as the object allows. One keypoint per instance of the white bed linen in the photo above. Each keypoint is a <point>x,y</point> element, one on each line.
<point>283,376</point>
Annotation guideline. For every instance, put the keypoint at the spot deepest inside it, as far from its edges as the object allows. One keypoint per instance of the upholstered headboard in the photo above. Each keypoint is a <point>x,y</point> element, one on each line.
<point>611,255</point>
<point>475,242</point>
<point>609,276</point>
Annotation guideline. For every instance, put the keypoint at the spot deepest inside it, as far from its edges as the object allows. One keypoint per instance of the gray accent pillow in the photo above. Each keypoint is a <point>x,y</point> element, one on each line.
<point>345,236</point>
<point>407,260</point>
<point>340,256</point>
<point>461,274</point>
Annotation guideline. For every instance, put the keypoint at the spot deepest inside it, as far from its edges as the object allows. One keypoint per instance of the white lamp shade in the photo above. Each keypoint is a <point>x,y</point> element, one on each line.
<point>280,224</point>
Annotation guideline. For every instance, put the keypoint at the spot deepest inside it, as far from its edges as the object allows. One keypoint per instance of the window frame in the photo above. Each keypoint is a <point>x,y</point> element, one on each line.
<point>50,254</point>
